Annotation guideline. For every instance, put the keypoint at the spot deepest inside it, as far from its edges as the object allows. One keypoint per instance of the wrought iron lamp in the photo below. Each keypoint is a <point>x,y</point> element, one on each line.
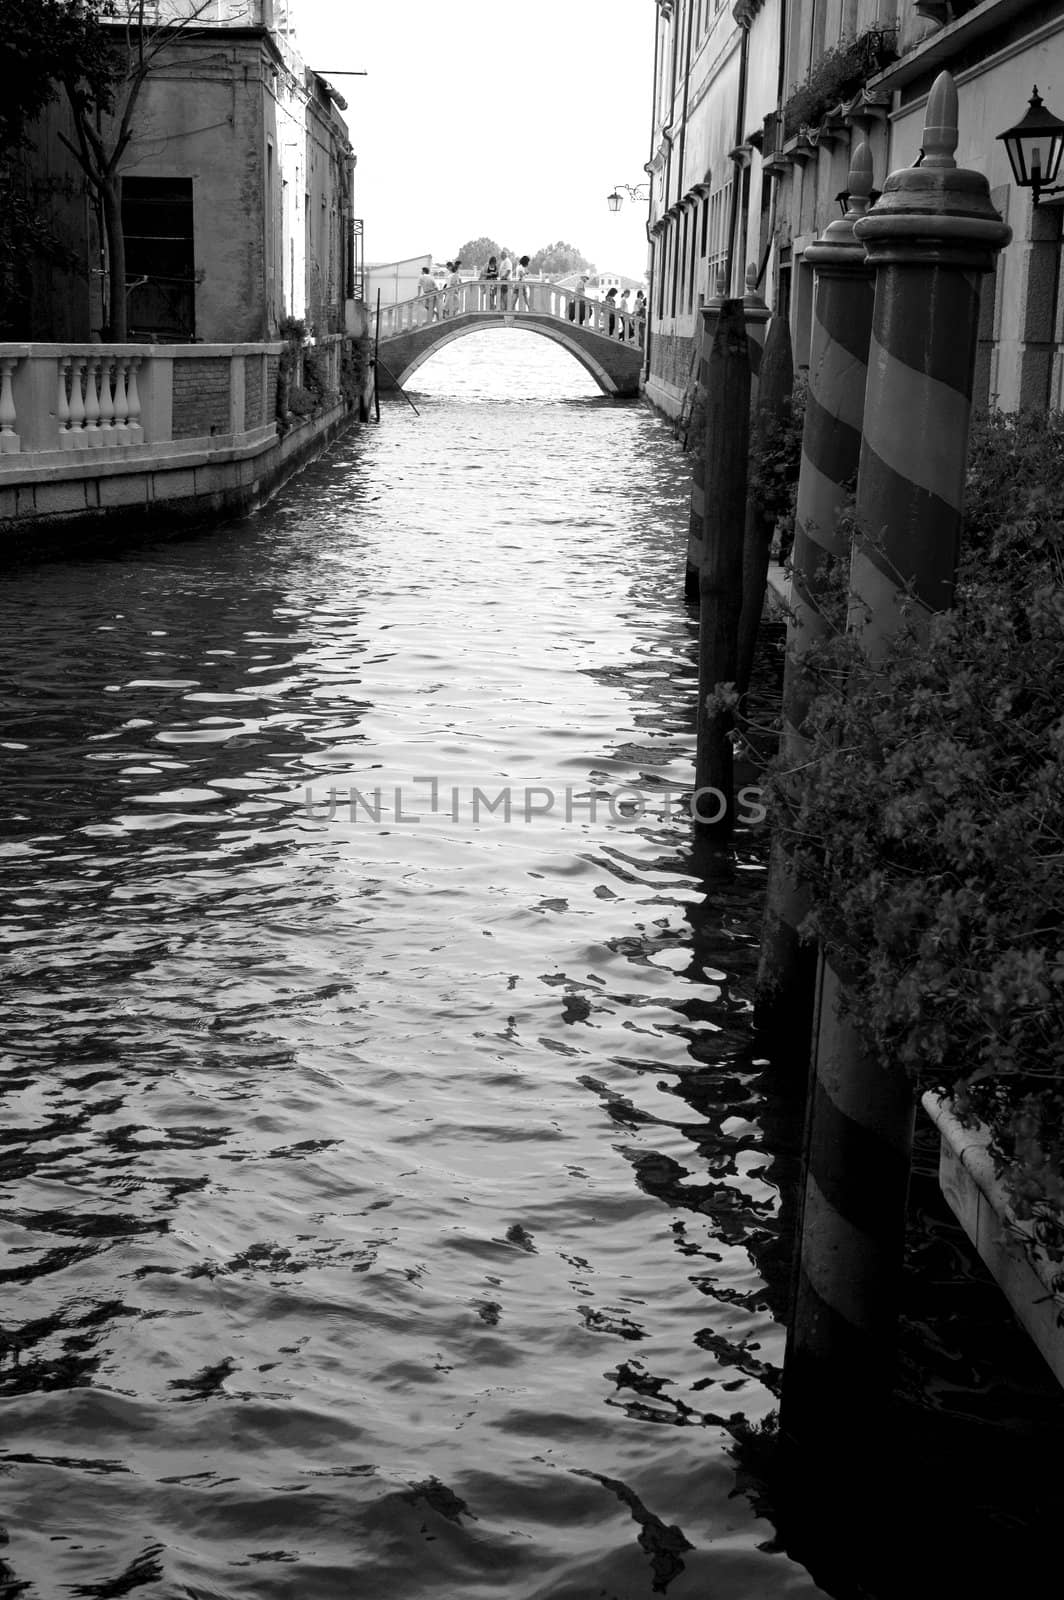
<point>1034,149</point>
<point>638,191</point>
<point>843,199</point>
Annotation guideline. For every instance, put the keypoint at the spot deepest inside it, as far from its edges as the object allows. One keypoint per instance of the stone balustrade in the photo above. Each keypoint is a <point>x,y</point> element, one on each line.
<point>510,301</point>
<point>124,401</point>
<point>98,401</point>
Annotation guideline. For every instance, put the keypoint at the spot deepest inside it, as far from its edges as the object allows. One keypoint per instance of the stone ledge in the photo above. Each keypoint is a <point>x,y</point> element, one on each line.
<point>62,466</point>
<point>1031,1283</point>
<point>170,351</point>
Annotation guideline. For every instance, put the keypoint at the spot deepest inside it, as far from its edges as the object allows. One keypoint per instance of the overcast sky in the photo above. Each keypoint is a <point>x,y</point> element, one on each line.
<point>504,117</point>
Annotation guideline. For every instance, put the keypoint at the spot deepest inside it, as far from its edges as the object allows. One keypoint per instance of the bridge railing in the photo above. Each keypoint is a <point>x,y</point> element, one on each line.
<point>513,300</point>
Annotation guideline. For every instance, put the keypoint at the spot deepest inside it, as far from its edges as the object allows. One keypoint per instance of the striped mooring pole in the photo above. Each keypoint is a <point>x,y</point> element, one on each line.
<point>696,526</point>
<point>831,445</point>
<point>929,238</point>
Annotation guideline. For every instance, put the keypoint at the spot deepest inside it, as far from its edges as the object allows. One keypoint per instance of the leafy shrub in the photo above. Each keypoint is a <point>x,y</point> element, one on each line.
<point>928,821</point>
<point>775,462</point>
<point>837,75</point>
<point>314,377</point>
<point>302,402</point>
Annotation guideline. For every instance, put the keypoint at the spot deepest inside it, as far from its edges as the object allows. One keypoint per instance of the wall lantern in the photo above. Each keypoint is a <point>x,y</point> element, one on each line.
<point>1034,148</point>
<point>843,199</point>
<point>639,191</point>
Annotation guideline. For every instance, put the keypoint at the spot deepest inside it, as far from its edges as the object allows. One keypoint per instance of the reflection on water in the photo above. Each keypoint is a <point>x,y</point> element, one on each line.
<point>394,1201</point>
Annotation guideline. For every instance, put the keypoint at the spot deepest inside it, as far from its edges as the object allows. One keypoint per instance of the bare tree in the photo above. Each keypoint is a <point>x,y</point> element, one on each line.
<point>103,101</point>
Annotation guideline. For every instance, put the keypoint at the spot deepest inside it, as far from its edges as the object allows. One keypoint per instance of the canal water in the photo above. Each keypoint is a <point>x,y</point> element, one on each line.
<point>392,1197</point>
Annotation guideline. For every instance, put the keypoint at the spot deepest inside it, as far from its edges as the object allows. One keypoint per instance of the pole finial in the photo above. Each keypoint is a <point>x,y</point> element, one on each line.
<point>859,181</point>
<point>722,284</point>
<point>940,124</point>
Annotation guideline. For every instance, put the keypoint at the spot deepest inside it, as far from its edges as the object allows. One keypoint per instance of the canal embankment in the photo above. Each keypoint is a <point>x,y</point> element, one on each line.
<point>106,444</point>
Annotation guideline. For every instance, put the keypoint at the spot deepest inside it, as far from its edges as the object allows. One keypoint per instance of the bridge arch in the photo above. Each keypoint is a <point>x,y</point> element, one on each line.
<point>445,333</point>
<point>603,338</point>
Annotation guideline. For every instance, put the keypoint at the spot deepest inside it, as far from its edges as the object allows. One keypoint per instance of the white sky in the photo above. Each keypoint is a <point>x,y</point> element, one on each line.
<point>502,117</point>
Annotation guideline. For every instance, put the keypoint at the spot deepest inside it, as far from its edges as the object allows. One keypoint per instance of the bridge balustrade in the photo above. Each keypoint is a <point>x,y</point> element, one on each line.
<point>510,301</point>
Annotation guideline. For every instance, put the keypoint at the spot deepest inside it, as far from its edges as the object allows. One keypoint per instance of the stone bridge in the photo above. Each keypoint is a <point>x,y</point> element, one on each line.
<point>606,341</point>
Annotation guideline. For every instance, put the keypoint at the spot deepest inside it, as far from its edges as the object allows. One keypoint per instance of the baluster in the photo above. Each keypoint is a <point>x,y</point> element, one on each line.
<point>62,404</point>
<point>107,410</point>
<point>78,439</point>
<point>136,432</point>
<point>121,404</point>
<point>92,404</point>
<point>9,439</point>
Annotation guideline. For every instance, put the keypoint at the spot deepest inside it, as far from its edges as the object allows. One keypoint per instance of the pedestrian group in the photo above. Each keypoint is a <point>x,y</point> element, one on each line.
<point>508,290</point>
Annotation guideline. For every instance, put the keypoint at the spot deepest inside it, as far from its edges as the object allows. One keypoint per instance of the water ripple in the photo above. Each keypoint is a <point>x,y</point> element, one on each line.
<point>389,1203</point>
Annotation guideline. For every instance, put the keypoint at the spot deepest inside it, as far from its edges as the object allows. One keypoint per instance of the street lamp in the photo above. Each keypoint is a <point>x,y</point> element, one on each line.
<point>638,191</point>
<point>1034,149</point>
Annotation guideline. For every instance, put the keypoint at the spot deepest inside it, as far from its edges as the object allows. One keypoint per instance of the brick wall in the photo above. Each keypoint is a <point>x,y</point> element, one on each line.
<point>201,396</point>
<point>273,364</point>
<point>253,393</point>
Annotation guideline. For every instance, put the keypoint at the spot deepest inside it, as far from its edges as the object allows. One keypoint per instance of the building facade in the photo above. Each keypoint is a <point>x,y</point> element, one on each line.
<point>236,190</point>
<point>758,106</point>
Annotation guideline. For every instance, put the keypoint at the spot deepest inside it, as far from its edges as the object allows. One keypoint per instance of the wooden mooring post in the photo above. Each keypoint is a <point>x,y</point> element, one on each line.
<point>831,445</point>
<point>774,387</point>
<point>727,441</point>
<point>929,238</point>
<point>697,438</point>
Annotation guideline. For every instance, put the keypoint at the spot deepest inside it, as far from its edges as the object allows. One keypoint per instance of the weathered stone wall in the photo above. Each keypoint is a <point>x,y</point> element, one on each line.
<point>672,360</point>
<point>201,397</point>
<point>671,380</point>
<point>192,120</point>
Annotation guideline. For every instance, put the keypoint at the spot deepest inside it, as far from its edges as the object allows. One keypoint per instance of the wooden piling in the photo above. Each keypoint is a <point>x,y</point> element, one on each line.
<point>697,443</point>
<point>727,436</point>
<point>775,386</point>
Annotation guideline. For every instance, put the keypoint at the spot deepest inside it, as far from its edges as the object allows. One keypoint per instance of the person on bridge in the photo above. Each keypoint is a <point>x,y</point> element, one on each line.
<point>610,304</point>
<point>452,291</point>
<point>506,268</point>
<point>426,290</point>
<point>521,287</point>
<point>578,305</point>
<point>491,278</point>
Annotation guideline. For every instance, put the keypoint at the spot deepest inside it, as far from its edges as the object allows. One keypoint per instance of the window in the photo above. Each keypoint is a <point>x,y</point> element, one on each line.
<point>157,225</point>
<point>719,220</point>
